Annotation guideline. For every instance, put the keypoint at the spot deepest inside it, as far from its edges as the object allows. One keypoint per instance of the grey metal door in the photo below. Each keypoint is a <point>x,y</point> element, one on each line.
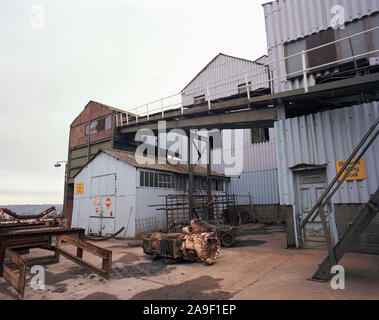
<point>102,211</point>
<point>310,185</point>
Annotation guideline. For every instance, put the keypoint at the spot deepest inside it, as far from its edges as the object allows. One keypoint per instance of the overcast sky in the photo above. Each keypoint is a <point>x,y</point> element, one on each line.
<point>122,53</point>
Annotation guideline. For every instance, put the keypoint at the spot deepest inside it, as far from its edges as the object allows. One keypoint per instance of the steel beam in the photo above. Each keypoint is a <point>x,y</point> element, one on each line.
<point>264,117</point>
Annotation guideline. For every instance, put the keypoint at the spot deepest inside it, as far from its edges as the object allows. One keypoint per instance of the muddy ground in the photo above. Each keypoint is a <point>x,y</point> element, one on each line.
<point>258,267</point>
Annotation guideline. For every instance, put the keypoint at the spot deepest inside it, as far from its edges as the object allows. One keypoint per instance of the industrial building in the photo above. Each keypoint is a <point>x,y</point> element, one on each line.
<point>311,141</point>
<point>302,120</point>
<point>317,79</point>
<point>93,129</point>
<point>296,25</point>
<point>113,190</point>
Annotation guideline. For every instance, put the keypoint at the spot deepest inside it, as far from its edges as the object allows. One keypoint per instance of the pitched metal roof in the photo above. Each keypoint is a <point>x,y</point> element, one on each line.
<point>220,54</point>
<point>130,158</point>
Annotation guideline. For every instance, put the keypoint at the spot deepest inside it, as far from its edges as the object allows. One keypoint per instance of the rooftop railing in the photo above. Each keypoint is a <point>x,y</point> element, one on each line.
<point>242,82</point>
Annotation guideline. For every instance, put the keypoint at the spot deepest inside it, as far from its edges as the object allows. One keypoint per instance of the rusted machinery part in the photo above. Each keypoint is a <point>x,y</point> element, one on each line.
<point>28,216</point>
<point>105,238</point>
<point>227,238</point>
<point>192,247</point>
<point>175,227</point>
<point>198,225</point>
<point>187,229</point>
<point>207,248</point>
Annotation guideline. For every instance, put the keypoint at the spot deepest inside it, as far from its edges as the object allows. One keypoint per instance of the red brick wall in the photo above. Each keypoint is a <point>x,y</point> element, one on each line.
<point>94,111</point>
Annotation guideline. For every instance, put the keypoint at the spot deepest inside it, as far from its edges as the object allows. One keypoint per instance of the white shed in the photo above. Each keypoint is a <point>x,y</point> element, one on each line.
<point>113,191</point>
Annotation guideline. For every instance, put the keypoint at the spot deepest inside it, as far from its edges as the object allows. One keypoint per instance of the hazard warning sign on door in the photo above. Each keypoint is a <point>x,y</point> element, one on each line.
<point>108,203</point>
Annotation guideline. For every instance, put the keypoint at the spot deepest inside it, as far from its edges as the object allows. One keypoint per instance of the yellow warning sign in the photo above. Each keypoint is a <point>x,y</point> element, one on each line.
<point>79,187</point>
<point>358,172</point>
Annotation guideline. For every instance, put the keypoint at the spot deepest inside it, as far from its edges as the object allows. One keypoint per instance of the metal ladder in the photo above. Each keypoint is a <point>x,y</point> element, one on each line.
<point>336,253</point>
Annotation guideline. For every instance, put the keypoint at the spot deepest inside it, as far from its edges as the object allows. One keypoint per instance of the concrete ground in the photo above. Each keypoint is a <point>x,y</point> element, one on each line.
<point>258,267</point>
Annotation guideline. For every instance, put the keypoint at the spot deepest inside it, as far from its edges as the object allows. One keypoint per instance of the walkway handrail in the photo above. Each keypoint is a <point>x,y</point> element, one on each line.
<point>245,81</point>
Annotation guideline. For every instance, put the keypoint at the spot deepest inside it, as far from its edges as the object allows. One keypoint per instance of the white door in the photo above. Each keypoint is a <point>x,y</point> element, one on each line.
<point>310,186</point>
<point>103,198</point>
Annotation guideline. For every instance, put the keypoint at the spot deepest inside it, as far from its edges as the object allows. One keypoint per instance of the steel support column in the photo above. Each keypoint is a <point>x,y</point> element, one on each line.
<point>190,174</point>
<point>209,180</point>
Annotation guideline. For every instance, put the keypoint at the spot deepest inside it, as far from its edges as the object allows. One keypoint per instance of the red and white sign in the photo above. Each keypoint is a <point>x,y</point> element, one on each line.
<point>108,203</point>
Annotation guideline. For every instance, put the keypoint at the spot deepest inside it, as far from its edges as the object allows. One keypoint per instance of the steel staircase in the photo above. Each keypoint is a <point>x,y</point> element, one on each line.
<point>351,235</point>
<point>360,223</point>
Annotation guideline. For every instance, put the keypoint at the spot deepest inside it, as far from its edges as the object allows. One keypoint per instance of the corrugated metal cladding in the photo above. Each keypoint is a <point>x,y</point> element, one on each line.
<point>255,156</point>
<point>221,67</point>
<point>261,185</point>
<point>263,59</point>
<point>323,138</point>
<point>288,20</point>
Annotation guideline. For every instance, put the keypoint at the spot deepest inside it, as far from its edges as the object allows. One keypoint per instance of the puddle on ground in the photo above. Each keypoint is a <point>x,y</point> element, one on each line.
<point>267,230</point>
<point>73,273</point>
<point>249,243</point>
<point>126,244</point>
<point>100,296</point>
<point>143,269</point>
<point>196,289</point>
<point>60,288</point>
<point>128,258</point>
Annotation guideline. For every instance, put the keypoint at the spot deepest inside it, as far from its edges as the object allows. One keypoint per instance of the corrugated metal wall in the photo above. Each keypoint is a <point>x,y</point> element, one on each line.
<point>259,169</point>
<point>224,66</point>
<point>125,198</point>
<point>263,59</point>
<point>290,20</point>
<point>261,185</point>
<point>323,138</point>
<point>255,156</point>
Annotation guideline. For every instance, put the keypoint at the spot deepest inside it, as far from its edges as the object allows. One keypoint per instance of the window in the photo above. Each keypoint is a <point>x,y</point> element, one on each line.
<point>219,185</point>
<point>242,87</point>
<point>199,99</point>
<point>162,180</point>
<point>322,55</point>
<point>179,182</point>
<point>259,135</point>
<point>99,125</point>
<point>165,181</point>
<point>317,57</point>
<point>142,178</point>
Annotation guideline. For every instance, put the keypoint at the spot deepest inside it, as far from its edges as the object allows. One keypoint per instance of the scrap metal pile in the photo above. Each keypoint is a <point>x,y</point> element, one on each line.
<point>197,242</point>
<point>20,233</point>
<point>11,220</point>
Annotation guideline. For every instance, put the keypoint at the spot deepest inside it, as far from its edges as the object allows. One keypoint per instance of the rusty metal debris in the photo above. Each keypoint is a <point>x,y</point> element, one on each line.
<point>29,216</point>
<point>223,232</point>
<point>11,220</point>
<point>198,241</point>
<point>106,238</point>
<point>192,247</point>
<point>20,233</point>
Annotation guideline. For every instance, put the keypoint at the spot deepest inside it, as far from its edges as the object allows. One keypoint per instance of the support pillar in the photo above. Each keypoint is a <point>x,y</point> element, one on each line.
<point>190,175</point>
<point>209,179</point>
